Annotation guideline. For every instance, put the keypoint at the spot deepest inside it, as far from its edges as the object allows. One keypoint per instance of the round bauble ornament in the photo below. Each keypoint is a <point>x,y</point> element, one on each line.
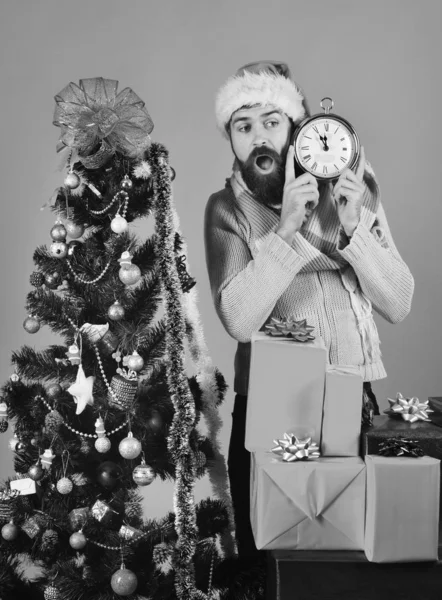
<point>58,232</point>
<point>20,447</point>
<point>58,249</point>
<point>143,474</point>
<point>103,445</point>
<point>52,593</point>
<point>78,540</point>
<point>119,224</point>
<point>74,230</point>
<point>124,582</point>
<point>37,279</point>
<point>65,485</point>
<point>36,472</point>
<point>130,274</point>
<point>31,324</point>
<point>73,246</point>
<point>3,425</point>
<point>126,184</point>
<point>108,474</point>
<point>14,377</point>
<point>12,444</point>
<point>10,531</point>
<point>116,311</point>
<point>129,447</point>
<point>53,391</point>
<point>52,280</point>
<point>135,362</point>
<point>72,181</point>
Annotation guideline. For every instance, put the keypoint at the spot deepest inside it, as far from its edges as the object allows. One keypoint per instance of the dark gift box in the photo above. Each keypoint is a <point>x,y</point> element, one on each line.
<point>435,403</point>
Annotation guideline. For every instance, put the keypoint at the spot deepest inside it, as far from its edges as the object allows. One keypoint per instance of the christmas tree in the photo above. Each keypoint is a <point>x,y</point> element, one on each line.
<point>112,407</point>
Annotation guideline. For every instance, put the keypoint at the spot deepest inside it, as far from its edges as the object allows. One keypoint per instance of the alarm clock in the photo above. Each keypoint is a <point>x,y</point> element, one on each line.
<point>326,144</point>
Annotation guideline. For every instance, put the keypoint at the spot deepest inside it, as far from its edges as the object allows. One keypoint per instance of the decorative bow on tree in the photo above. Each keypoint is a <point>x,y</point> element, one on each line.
<point>292,448</point>
<point>93,114</point>
<point>410,409</point>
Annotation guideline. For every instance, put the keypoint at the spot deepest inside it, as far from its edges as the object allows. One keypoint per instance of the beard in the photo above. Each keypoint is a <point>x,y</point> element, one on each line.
<point>265,183</point>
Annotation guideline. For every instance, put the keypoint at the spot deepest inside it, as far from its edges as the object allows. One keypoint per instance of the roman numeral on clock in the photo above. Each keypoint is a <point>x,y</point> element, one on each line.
<point>324,169</point>
<point>307,157</point>
<point>343,159</point>
<point>315,128</point>
<point>305,147</point>
<point>314,165</point>
<point>326,127</point>
<point>342,139</point>
<point>336,129</point>
<point>306,136</point>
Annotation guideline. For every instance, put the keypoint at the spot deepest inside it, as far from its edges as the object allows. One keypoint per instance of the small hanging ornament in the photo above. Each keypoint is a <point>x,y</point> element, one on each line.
<point>200,459</point>
<point>10,531</point>
<point>65,485</point>
<point>52,593</point>
<point>31,527</point>
<point>58,249</point>
<point>73,246</point>
<point>73,354</point>
<point>129,274</point>
<point>124,582</point>
<point>82,390</point>
<point>52,280</point>
<point>3,425</point>
<point>53,421</point>
<point>123,389</point>
<point>172,173</point>
<point>116,311</point>
<point>37,279</point>
<point>129,447</point>
<point>108,474</point>
<point>85,447</point>
<point>58,232</point>
<point>103,513</point>
<point>135,362</point>
<point>15,378</point>
<point>74,230</point>
<point>108,342</point>
<point>126,184</point>
<point>78,540</point>
<point>102,443</point>
<point>72,180</point>
<point>47,458</point>
<point>78,517</point>
<point>31,324</point>
<point>36,472</point>
<point>143,474</point>
<point>119,224</point>
<point>127,532</point>
<point>53,391</point>
<point>49,541</point>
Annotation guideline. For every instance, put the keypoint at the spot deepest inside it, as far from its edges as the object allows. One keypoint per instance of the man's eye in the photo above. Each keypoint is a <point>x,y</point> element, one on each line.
<point>244,128</point>
<point>272,123</point>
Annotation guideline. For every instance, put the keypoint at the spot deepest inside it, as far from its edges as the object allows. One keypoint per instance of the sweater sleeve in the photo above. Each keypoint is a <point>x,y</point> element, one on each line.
<point>384,277</point>
<point>244,289</point>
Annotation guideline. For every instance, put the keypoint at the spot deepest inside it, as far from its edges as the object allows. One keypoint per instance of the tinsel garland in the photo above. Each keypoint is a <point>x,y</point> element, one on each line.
<point>178,440</point>
<point>206,378</point>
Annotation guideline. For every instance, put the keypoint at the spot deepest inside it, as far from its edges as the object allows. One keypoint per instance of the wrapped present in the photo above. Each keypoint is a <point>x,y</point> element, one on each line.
<point>435,403</point>
<point>402,516</point>
<point>341,424</point>
<point>286,389</point>
<point>307,505</point>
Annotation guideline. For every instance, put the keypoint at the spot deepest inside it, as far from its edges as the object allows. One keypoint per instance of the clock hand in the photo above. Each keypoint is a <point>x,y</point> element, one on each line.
<point>324,142</point>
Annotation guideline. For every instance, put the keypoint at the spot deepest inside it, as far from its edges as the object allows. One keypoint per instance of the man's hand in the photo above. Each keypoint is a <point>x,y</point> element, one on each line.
<point>299,199</point>
<point>348,194</point>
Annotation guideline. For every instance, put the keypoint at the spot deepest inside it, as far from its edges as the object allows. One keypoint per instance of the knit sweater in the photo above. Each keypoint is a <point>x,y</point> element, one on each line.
<point>254,275</point>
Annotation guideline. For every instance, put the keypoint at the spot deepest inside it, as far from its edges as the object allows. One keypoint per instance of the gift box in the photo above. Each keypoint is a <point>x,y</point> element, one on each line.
<point>341,423</point>
<point>286,389</point>
<point>402,517</point>
<point>435,403</point>
<point>315,504</point>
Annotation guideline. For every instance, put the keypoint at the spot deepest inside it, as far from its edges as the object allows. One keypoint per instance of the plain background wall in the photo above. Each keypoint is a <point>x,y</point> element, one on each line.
<point>378,60</point>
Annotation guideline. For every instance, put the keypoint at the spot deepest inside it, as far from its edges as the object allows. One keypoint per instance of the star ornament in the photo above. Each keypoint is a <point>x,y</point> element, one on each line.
<point>410,409</point>
<point>81,390</point>
<point>292,448</point>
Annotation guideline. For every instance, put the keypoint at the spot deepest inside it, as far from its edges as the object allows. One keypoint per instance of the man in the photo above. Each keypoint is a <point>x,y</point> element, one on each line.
<point>278,244</point>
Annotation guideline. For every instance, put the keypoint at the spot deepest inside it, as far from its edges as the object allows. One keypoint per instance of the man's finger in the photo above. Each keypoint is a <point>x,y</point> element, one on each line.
<point>361,166</point>
<point>290,164</point>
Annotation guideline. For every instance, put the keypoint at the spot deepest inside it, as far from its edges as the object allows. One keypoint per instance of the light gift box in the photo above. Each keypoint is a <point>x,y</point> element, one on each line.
<point>315,504</point>
<point>286,388</point>
<point>402,508</point>
<point>341,423</point>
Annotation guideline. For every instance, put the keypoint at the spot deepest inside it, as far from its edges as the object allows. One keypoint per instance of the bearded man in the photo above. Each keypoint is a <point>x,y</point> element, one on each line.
<point>280,245</point>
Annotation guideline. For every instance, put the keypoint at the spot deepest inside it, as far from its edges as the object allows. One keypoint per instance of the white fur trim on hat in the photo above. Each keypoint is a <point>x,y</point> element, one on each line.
<point>264,89</point>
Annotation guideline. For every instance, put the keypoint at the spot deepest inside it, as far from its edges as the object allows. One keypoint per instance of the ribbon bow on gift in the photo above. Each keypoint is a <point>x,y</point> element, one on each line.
<point>410,409</point>
<point>400,447</point>
<point>292,448</point>
<point>93,113</point>
<point>298,331</point>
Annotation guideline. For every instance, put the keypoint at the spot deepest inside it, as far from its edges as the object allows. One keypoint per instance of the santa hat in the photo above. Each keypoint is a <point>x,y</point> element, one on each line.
<point>263,83</point>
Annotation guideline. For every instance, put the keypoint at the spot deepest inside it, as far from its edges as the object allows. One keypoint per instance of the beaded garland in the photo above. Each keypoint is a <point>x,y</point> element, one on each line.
<point>88,281</point>
<point>120,196</point>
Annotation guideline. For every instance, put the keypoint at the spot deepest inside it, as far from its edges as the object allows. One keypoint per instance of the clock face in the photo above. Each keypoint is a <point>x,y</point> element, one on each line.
<point>325,146</point>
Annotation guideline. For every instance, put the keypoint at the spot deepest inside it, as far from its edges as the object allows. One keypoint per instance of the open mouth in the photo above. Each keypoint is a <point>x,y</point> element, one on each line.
<point>264,163</point>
